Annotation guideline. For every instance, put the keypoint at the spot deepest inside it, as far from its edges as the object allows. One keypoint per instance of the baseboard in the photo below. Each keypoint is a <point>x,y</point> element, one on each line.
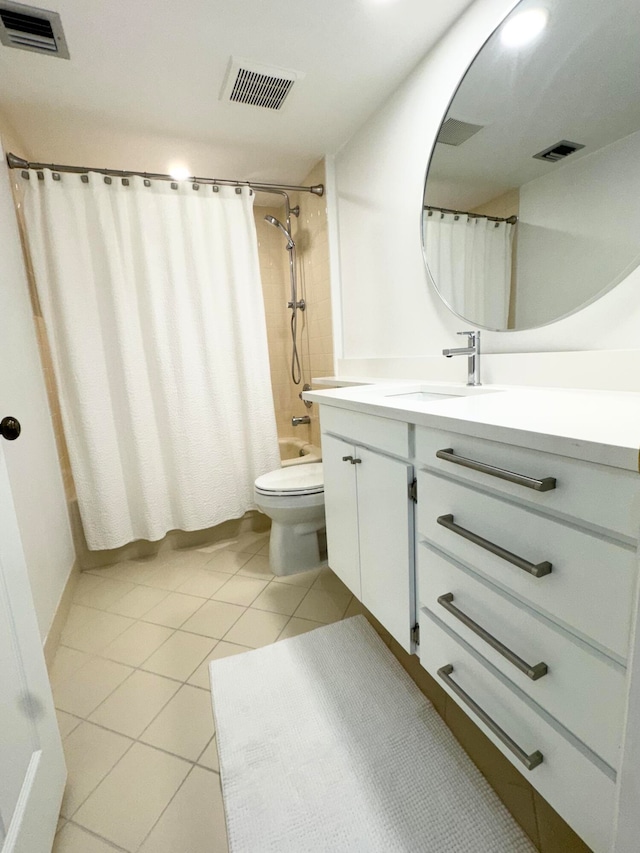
<point>60,616</point>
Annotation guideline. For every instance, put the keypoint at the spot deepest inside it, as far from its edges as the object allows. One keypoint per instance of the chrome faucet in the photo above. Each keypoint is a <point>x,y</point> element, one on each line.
<point>305,419</point>
<point>473,351</point>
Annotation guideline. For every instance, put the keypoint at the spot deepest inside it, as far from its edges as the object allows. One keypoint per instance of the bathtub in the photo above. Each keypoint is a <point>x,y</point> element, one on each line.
<point>295,451</point>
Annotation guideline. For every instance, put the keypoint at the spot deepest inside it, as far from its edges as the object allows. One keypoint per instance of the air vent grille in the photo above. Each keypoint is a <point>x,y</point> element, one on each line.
<point>558,151</point>
<point>260,90</point>
<point>257,85</point>
<point>28,28</point>
<point>455,132</point>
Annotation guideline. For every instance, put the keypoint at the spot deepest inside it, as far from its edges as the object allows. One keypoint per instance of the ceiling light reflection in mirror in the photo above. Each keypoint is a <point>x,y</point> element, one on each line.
<point>525,27</point>
<point>532,199</point>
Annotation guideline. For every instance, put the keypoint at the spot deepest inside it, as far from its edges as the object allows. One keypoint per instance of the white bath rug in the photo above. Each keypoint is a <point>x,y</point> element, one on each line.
<point>326,745</point>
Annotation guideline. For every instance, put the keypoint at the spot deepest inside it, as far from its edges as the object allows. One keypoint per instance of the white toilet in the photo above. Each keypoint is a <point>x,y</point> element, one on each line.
<point>293,498</point>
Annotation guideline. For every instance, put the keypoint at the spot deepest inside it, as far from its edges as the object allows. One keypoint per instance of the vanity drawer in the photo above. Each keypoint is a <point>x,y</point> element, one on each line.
<point>608,498</point>
<point>592,579</point>
<point>382,433</point>
<point>582,793</point>
<point>583,690</point>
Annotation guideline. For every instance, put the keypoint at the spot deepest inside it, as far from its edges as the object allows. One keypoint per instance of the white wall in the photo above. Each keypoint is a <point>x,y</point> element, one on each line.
<point>392,320</point>
<point>578,228</point>
<point>32,460</point>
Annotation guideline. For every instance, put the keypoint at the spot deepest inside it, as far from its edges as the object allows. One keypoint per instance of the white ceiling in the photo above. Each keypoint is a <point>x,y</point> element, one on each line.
<point>145,78</point>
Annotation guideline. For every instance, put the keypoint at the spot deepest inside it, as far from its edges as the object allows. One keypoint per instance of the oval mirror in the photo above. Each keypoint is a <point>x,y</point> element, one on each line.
<point>532,197</point>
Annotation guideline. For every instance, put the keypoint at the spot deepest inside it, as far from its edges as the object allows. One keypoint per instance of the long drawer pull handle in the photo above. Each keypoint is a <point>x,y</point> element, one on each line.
<point>543,485</point>
<point>534,672</point>
<point>538,570</point>
<point>347,459</point>
<point>529,761</point>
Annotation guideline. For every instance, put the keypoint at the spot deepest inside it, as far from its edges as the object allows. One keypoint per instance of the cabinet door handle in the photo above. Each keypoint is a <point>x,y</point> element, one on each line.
<point>543,485</point>
<point>538,570</point>
<point>356,461</point>
<point>534,672</point>
<point>347,459</point>
<point>529,761</point>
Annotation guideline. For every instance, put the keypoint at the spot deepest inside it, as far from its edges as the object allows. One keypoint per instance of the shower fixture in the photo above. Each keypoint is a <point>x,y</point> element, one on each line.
<point>294,303</point>
<point>273,221</point>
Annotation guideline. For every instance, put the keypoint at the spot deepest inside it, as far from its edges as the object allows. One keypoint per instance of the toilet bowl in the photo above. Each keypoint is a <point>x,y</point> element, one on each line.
<point>293,498</point>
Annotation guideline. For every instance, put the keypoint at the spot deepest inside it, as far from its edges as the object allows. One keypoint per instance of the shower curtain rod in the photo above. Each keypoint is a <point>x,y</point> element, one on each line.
<point>16,162</point>
<point>510,219</point>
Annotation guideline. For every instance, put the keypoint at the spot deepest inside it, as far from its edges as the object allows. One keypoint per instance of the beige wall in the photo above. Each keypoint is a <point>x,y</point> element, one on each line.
<point>315,343</point>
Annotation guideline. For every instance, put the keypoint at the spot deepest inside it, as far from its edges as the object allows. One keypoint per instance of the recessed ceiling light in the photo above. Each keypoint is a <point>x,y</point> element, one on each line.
<point>524,27</point>
<point>180,173</point>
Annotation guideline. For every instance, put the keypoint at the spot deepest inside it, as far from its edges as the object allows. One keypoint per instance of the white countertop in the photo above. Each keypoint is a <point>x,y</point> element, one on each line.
<point>597,426</point>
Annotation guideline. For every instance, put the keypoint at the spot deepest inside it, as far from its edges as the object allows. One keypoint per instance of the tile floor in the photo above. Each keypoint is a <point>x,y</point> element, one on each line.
<point>131,688</point>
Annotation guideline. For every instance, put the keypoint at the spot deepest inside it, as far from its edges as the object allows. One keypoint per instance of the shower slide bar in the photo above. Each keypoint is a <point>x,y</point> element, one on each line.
<point>16,162</point>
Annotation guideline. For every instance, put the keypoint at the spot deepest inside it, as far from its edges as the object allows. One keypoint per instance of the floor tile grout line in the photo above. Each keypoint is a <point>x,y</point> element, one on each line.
<point>135,740</point>
<point>100,781</point>
<point>181,682</point>
<point>72,818</point>
<point>272,579</point>
<point>140,666</point>
<point>192,762</point>
<point>160,816</point>
<point>100,653</point>
<point>122,683</point>
<point>111,844</point>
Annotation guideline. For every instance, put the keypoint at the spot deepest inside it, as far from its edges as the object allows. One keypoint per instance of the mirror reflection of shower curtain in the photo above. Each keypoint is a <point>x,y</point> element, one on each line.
<point>154,311</point>
<point>470,262</point>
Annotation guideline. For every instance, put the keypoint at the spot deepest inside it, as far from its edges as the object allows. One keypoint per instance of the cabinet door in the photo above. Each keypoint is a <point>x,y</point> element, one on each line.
<point>341,510</point>
<point>386,542</point>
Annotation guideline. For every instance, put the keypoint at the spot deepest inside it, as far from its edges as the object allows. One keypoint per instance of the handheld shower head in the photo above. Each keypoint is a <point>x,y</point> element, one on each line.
<point>273,221</point>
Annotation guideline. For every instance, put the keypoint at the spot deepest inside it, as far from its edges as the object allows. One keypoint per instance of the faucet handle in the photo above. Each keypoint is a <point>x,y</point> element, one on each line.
<point>470,334</point>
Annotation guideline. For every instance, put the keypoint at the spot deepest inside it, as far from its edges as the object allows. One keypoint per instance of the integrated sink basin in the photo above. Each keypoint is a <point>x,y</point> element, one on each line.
<point>431,394</point>
<point>423,396</point>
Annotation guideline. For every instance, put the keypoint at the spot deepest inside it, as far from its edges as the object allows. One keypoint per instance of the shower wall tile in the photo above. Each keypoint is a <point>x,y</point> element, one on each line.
<point>312,238</point>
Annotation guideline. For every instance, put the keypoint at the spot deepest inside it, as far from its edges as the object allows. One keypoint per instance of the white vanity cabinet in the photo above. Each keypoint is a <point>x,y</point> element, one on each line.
<point>526,576</point>
<point>370,514</point>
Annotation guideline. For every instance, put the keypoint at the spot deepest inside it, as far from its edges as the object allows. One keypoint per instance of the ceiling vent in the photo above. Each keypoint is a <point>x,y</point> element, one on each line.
<point>258,85</point>
<point>455,132</point>
<point>29,28</point>
<point>558,151</point>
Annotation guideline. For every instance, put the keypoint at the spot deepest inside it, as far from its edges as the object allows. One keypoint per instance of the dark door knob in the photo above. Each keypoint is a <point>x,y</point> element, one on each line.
<point>10,428</point>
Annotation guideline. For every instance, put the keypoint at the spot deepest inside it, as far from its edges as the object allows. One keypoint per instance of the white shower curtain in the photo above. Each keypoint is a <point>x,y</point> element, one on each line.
<point>470,262</point>
<point>153,307</point>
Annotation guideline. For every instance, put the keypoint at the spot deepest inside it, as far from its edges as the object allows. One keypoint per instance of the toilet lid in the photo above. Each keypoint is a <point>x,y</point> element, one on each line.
<point>305,479</point>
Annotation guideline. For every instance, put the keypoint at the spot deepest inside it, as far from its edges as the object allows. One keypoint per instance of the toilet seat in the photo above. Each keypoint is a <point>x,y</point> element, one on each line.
<point>305,479</point>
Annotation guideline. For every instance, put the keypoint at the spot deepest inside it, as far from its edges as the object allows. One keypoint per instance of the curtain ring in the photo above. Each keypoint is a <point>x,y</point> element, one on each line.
<point>56,176</point>
<point>195,186</point>
<point>430,213</point>
<point>147,182</point>
<point>84,179</point>
<point>125,182</point>
<point>107,179</point>
<point>174,186</point>
<point>216,188</point>
<point>238,190</point>
<point>26,175</point>
<point>456,218</point>
<point>40,176</point>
